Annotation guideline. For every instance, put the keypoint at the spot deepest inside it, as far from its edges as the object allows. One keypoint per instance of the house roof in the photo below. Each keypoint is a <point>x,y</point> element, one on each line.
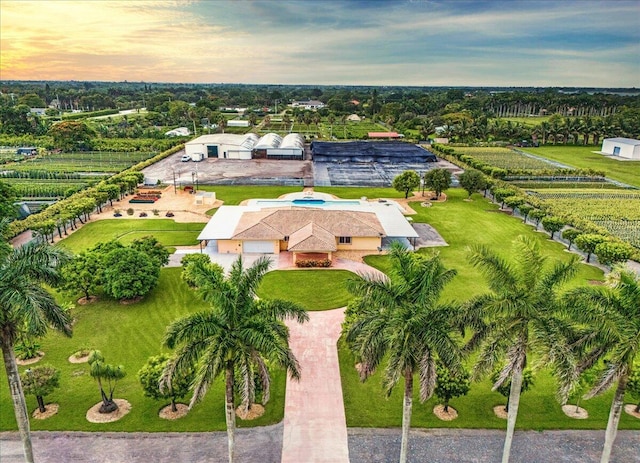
<point>344,218</point>
<point>312,237</point>
<point>383,135</point>
<point>277,223</point>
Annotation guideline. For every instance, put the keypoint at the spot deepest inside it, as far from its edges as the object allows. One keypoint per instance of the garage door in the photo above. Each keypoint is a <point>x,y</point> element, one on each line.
<point>263,247</point>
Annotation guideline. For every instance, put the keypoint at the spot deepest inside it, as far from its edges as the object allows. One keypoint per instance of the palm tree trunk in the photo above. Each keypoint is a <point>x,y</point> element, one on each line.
<point>514,402</point>
<point>17,395</point>
<point>406,414</point>
<point>614,418</point>
<point>230,413</point>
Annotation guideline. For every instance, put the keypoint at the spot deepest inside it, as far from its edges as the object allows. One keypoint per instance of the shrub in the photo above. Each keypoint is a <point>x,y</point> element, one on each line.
<point>130,211</point>
<point>308,263</point>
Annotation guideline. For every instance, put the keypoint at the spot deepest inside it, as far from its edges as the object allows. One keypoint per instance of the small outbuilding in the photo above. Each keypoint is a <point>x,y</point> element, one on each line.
<point>625,148</point>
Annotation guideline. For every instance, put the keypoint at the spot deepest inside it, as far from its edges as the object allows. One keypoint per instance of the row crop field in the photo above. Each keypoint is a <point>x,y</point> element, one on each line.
<point>618,211</point>
<point>92,162</point>
<point>505,158</point>
<point>36,188</point>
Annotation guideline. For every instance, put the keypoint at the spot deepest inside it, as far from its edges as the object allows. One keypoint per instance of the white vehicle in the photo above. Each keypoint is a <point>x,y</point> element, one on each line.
<point>185,158</point>
<point>197,157</point>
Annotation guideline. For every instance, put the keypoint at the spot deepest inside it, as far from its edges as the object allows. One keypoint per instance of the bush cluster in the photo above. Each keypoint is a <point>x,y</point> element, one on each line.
<point>308,263</point>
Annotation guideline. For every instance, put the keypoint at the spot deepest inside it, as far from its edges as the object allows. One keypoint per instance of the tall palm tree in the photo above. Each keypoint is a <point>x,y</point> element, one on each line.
<point>235,338</point>
<point>517,314</point>
<point>613,313</point>
<point>27,309</point>
<point>400,318</point>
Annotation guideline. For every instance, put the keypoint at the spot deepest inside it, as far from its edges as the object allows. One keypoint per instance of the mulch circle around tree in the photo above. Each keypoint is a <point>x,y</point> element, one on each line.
<point>167,414</point>
<point>89,300</point>
<point>78,359</point>
<point>31,360</point>
<point>256,411</point>
<point>450,415</point>
<point>94,415</point>
<point>500,412</point>
<point>50,410</point>
<point>578,414</point>
<point>631,410</point>
<point>130,301</point>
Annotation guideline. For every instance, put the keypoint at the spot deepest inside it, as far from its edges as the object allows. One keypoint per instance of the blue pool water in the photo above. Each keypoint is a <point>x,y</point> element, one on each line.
<point>305,202</point>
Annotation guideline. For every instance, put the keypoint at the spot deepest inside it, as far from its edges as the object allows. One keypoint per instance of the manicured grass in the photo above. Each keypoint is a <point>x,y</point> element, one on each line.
<point>313,289</point>
<point>462,224</point>
<point>583,157</point>
<point>167,231</point>
<point>367,406</point>
<point>128,335</point>
<point>357,193</point>
<point>234,195</point>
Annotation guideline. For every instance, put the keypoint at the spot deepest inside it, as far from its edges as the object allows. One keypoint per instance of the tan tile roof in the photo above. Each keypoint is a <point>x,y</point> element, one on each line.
<point>275,224</point>
<point>312,237</point>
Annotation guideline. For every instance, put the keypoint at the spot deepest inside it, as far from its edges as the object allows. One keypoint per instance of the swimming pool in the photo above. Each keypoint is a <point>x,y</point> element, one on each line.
<point>309,202</point>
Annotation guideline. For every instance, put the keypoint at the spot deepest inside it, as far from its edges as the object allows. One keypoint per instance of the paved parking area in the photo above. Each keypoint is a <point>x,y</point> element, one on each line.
<point>279,172</point>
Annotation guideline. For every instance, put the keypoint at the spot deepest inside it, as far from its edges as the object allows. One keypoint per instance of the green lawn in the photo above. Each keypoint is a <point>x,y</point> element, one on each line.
<point>167,231</point>
<point>313,289</point>
<point>461,224</point>
<point>128,335</point>
<point>583,157</point>
<point>234,195</point>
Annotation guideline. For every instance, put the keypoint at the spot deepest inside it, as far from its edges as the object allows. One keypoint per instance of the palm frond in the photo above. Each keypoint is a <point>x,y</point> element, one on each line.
<point>428,376</point>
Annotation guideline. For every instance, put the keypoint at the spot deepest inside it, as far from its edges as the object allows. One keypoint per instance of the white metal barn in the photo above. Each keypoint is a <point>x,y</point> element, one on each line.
<point>626,148</point>
<point>223,145</point>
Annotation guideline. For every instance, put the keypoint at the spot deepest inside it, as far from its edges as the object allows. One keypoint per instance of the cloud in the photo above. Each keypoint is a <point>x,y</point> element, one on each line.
<point>412,42</point>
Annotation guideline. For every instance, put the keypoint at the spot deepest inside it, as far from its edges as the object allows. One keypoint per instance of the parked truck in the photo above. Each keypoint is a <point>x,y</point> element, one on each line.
<point>197,157</point>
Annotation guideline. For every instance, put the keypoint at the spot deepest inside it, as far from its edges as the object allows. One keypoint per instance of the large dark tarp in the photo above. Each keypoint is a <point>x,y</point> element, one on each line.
<point>370,151</point>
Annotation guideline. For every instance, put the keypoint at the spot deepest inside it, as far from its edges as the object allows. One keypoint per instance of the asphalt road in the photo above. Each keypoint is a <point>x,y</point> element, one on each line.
<point>264,445</point>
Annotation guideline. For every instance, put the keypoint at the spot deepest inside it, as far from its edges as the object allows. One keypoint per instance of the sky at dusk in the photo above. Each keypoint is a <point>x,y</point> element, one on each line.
<point>374,42</point>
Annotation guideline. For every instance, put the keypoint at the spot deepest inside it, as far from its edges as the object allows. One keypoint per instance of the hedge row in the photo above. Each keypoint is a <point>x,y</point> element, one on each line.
<point>501,173</point>
<point>67,209</point>
<point>505,190</point>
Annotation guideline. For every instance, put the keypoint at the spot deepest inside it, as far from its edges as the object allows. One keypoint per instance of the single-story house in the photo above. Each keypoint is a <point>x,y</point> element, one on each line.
<point>306,227</point>
<point>627,148</point>
<point>237,123</point>
<point>354,118</point>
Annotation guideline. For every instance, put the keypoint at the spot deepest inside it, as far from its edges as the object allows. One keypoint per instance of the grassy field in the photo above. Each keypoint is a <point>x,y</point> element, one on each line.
<point>583,157</point>
<point>128,335</point>
<point>313,289</point>
<point>463,224</point>
<point>110,327</point>
<point>167,231</point>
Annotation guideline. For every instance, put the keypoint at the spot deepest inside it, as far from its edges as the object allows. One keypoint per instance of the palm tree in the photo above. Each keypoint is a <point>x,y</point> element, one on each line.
<point>27,309</point>
<point>613,313</point>
<point>235,338</point>
<point>400,318</point>
<point>518,314</point>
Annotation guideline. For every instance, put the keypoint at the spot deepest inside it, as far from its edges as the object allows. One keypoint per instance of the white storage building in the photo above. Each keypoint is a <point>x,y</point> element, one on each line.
<point>223,145</point>
<point>626,148</point>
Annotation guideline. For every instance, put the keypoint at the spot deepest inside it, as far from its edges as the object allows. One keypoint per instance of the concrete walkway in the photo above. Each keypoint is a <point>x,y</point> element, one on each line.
<point>315,429</point>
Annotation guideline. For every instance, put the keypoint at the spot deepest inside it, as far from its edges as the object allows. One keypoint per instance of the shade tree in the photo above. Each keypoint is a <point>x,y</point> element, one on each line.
<point>151,374</point>
<point>451,385</point>
<point>437,180</point>
<point>40,381</point>
<point>472,180</point>
<point>406,182</point>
